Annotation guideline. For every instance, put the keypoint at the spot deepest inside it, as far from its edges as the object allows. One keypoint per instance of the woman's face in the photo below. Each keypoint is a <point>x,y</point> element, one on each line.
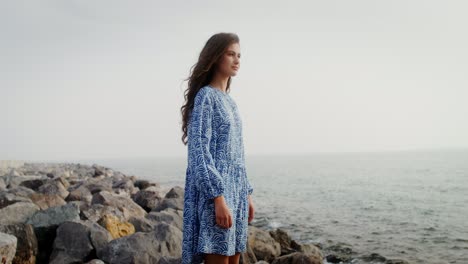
<point>230,61</point>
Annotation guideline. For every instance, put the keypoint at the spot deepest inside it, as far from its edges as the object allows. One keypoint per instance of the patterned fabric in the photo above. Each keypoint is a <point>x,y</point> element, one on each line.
<point>216,166</point>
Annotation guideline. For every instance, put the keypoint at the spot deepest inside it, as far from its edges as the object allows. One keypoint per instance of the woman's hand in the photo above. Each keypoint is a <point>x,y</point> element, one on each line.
<point>251,209</point>
<point>223,214</point>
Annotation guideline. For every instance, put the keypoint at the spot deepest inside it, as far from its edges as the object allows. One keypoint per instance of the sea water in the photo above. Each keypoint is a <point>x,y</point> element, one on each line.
<point>411,205</point>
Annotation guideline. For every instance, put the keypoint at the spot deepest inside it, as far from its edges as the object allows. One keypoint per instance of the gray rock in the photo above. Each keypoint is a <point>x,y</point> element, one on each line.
<point>99,185</point>
<point>95,261</point>
<point>124,184</point>
<point>67,250</point>
<point>307,248</point>
<point>164,241</point>
<point>148,199</point>
<point>2,185</point>
<point>12,181</point>
<point>175,203</point>
<point>142,224</point>
<point>143,184</point>
<point>176,192</point>
<point>282,237</point>
<point>17,213</point>
<point>95,212</point>
<point>54,187</point>
<point>7,199</point>
<point>99,236</point>
<point>373,257</point>
<point>396,261</point>
<point>263,245</point>
<point>45,224</point>
<point>33,184</point>
<point>26,249</point>
<point>21,191</point>
<point>45,201</point>
<point>169,216</point>
<point>7,247</point>
<point>55,216</point>
<point>298,257</point>
<point>126,205</point>
<point>170,260</point>
<point>80,194</point>
<point>341,252</point>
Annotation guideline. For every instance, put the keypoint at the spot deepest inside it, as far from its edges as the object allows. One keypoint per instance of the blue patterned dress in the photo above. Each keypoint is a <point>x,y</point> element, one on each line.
<point>216,166</point>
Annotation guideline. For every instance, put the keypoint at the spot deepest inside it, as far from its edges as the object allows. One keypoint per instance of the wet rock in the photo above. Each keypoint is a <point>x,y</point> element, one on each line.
<point>306,248</point>
<point>298,257</point>
<point>263,245</point>
<point>373,257</point>
<point>396,261</point>
<point>341,252</point>
<point>280,236</point>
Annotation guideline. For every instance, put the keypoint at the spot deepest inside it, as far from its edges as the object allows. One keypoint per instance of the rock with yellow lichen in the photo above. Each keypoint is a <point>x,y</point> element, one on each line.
<point>115,227</point>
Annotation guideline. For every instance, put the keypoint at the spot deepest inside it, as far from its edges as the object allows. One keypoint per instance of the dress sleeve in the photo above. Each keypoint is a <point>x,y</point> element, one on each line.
<point>207,176</point>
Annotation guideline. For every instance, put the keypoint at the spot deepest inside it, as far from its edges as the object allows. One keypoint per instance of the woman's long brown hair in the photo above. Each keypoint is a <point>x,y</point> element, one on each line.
<point>203,71</point>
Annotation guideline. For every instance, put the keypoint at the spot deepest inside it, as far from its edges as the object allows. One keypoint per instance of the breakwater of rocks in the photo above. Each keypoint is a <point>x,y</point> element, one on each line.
<point>77,213</point>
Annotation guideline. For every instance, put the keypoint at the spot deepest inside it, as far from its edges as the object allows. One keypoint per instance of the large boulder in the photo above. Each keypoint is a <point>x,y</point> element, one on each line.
<point>95,212</point>
<point>26,249</point>
<point>148,198</point>
<point>283,238</point>
<point>45,201</point>
<point>82,193</point>
<point>7,198</point>
<point>171,216</point>
<point>54,187</point>
<point>115,227</point>
<point>263,245</point>
<point>67,250</point>
<point>7,247</point>
<point>45,224</point>
<point>298,257</point>
<point>126,205</point>
<point>142,248</point>
<point>17,213</point>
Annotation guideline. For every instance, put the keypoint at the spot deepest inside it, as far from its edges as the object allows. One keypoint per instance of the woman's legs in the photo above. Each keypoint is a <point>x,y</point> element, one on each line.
<point>221,259</point>
<point>216,259</point>
<point>234,259</point>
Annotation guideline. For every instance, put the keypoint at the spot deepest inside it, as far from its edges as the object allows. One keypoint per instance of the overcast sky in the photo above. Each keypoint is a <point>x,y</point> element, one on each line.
<point>105,79</point>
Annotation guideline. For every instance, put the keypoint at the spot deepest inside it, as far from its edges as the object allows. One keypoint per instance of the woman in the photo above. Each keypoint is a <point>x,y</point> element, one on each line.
<point>217,202</point>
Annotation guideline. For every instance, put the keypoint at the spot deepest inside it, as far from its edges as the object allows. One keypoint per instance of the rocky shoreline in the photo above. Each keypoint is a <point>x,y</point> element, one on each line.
<point>76,213</point>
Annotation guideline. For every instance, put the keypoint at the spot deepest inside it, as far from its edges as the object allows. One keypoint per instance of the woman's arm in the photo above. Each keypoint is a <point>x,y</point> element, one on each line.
<point>207,176</point>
